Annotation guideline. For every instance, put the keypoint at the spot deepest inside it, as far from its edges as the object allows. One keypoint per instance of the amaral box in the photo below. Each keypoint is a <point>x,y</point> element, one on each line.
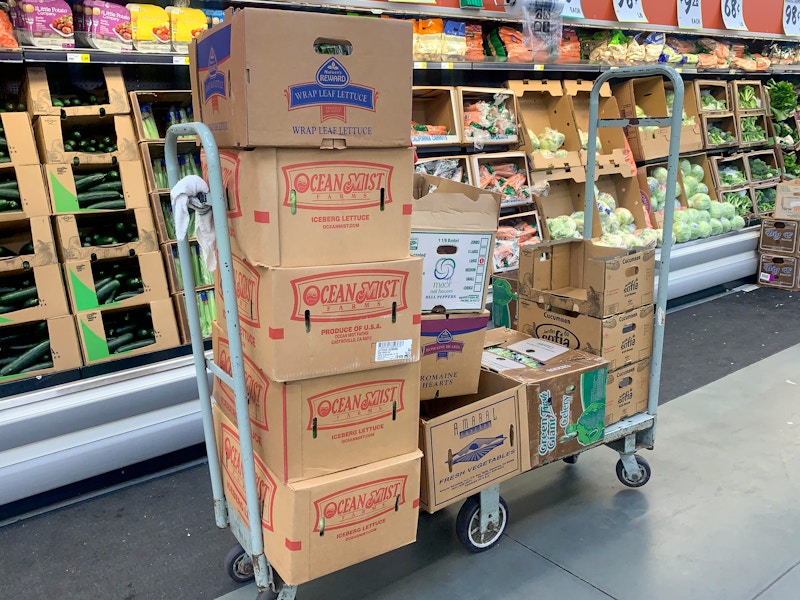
<point>451,346</point>
<point>47,291</point>
<point>621,339</point>
<point>472,442</point>
<point>296,208</point>
<point>315,427</point>
<point>566,392</point>
<point>76,234</point>
<point>452,229</point>
<point>124,179</point>
<point>309,322</point>
<point>50,133</point>
<point>320,525</point>
<point>30,241</point>
<point>29,192</point>
<point>112,98</point>
<point>18,134</point>
<point>63,354</point>
<point>360,97</point>
<point>627,391</point>
<point>593,280</point>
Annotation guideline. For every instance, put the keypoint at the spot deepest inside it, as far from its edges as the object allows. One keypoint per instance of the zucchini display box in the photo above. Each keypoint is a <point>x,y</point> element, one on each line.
<point>110,98</point>
<point>32,294</point>
<point>38,348</point>
<point>112,333</point>
<point>116,282</point>
<point>94,236</point>
<point>566,392</point>
<point>26,243</point>
<point>17,144</point>
<point>309,322</point>
<point>83,189</point>
<point>22,193</point>
<point>317,526</point>
<point>86,140</point>
<point>296,208</point>
<point>342,82</point>
<point>315,427</point>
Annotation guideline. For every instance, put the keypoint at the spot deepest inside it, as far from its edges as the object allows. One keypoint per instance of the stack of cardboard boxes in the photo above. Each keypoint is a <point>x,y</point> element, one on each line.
<point>318,174</point>
<point>779,245</point>
<point>598,300</point>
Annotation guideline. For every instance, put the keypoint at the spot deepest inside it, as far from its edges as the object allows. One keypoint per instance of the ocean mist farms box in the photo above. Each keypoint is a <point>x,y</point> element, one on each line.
<point>315,427</point>
<point>359,97</point>
<point>296,208</point>
<point>305,322</point>
<point>320,525</point>
<point>566,392</point>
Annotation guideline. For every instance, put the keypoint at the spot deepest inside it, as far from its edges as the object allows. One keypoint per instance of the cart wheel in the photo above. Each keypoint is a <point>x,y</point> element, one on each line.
<point>634,480</point>
<point>267,595</point>
<point>571,460</point>
<point>239,565</point>
<point>468,525</point>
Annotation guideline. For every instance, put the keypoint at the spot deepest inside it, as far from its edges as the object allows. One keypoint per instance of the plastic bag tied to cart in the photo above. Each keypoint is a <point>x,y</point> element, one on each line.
<point>190,192</point>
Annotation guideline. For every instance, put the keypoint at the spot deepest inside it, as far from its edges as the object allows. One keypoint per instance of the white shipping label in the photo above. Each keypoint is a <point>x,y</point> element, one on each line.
<point>490,360</point>
<point>394,350</point>
<point>541,350</point>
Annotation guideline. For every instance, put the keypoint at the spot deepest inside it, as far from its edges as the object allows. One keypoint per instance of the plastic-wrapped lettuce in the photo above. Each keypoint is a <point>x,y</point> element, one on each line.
<point>737,223</point>
<point>585,140</point>
<point>726,224</point>
<point>681,216</point>
<point>610,239</point>
<point>700,201</point>
<point>624,215</point>
<point>630,240</point>
<point>698,172</point>
<point>716,226</point>
<point>682,231</point>
<point>609,222</point>
<point>685,167</point>
<point>629,228</point>
<point>551,139</point>
<point>729,210</point>
<point>715,209</point>
<point>605,202</point>
<point>660,174</point>
<point>652,184</point>
<point>694,228</point>
<point>689,185</point>
<point>578,218</point>
<point>705,229</point>
<point>562,227</point>
<point>703,216</point>
<point>534,139</point>
<point>649,238</point>
<point>693,215</point>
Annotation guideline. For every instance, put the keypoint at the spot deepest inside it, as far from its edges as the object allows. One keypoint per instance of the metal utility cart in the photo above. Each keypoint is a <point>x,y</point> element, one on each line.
<point>483,517</point>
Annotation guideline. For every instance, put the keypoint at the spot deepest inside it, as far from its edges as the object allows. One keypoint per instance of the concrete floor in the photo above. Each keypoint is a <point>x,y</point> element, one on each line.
<point>718,520</point>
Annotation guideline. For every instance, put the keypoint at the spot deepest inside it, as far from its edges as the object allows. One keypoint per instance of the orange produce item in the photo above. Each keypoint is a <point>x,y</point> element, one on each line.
<point>474,44</point>
<point>7,39</point>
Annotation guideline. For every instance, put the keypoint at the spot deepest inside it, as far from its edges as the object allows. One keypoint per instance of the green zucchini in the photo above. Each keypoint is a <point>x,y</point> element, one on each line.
<point>135,345</point>
<point>112,175</point>
<point>31,302</point>
<point>107,205</point>
<point>7,309</point>
<point>102,282</point>
<point>19,296</point>
<point>10,184</point>
<point>26,249</point>
<point>105,241</point>
<point>91,196</point>
<point>47,364</point>
<point>126,295</point>
<point>104,293</point>
<point>4,289</point>
<point>120,340</point>
<point>10,194</point>
<point>129,328</point>
<point>29,358</point>
<point>88,181</point>
<point>17,347</point>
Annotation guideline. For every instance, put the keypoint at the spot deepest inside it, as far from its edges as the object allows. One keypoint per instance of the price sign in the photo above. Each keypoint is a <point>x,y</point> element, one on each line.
<point>180,60</point>
<point>572,9</point>
<point>791,17</point>
<point>78,58</point>
<point>732,14</point>
<point>690,14</point>
<point>629,11</point>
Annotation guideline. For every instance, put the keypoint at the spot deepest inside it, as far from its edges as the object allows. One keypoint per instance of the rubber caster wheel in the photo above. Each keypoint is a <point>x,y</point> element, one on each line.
<point>468,525</point>
<point>267,595</point>
<point>634,480</point>
<point>239,565</point>
<point>571,460</point>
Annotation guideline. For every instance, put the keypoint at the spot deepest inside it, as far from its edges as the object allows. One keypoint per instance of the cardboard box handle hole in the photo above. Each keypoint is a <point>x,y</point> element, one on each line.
<point>625,382</point>
<point>631,271</point>
<point>343,46</point>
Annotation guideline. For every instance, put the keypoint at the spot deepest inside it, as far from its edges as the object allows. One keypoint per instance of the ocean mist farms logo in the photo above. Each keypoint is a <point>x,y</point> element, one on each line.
<point>349,295</point>
<point>360,503</point>
<point>356,404</point>
<point>333,92</point>
<point>336,185</point>
<point>255,382</point>
<point>443,346</point>
<point>246,280</point>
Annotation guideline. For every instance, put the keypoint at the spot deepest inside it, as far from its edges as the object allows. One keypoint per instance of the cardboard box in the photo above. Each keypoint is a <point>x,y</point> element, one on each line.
<point>203,297</point>
<point>761,97</point>
<point>19,137</point>
<point>593,280</point>
<point>297,208</point>
<point>614,154</point>
<point>620,339</point>
<point>18,236</point>
<point>703,161</point>
<point>472,442</point>
<point>492,161</point>
<point>161,205</point>
<point>505,300</point>
<point>429,166</point>
<point>769,157</point>
<point>626,193</point>
<point>756,191</point>
<point>778,271</point>
<point>437,106</point>
<point>72,230</point>
<point>761,122</point>
<point>779,236</point>
<point>50,133</point>
<point>32,199</point>
<point>94,327</point>
<point>64,351</point>
<point>720,90</point>
<point>309,100</point>
<point>64,198</point>
<point>541,104</point>
<point>153,152</point>
<point>316,427</point>
<point>691,136</point>
<point>451,346</point>
<point>787,203</point>
<point>112,95</point>
<point>656,217</point>
<point>627,391</point>
<point>513,231</point>
<point>452,230</point>
<point>647,93</point>
<point>471,95</point>
<point>203,278</point>
<point>160,102</point>
<point>82,277</point>
<point>719,163</point>
<point>725,122</point>
<point>52,302</point>
<point>566,395</point>
<point>307,322</point>
<point>320,525</point>
<point>565,197</point>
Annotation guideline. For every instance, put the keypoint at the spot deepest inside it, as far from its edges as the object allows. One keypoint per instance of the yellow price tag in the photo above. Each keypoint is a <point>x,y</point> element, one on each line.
<point>180,60</point>
<point>447,65</point>
<point>538,67</point>
<point>78,58</point>
<point>420,65</point>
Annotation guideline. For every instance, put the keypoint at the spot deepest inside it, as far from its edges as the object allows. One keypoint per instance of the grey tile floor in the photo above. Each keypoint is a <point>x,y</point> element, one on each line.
<point>719,519</point>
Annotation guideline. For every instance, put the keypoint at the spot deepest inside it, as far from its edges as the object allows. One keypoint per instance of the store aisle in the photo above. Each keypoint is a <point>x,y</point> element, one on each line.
<point>718,520</point>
